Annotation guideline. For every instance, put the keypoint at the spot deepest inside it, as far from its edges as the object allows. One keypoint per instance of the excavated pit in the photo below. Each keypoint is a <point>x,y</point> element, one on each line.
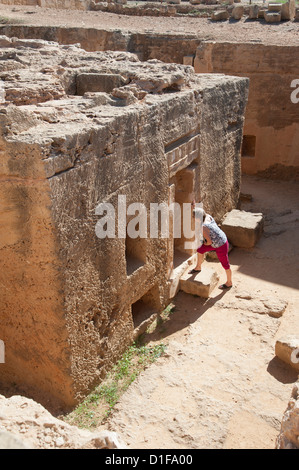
<point>41,124</point>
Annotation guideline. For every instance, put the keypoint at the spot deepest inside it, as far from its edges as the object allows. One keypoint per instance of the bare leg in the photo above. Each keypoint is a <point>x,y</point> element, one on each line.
<point>200,257</point>
<point>228,277</point>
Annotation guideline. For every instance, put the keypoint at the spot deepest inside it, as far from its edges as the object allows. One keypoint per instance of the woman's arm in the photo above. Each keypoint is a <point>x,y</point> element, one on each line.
<point>206,234</point>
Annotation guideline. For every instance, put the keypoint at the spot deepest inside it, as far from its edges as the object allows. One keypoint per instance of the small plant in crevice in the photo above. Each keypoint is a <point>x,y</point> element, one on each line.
<point>98,405</point>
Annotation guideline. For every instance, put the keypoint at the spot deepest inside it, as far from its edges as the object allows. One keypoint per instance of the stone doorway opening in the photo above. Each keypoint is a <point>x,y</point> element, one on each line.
<point>145,310</point>
<point>184,189</point>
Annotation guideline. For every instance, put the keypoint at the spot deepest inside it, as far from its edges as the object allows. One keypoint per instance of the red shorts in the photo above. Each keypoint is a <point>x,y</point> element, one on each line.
<point>221,252</point>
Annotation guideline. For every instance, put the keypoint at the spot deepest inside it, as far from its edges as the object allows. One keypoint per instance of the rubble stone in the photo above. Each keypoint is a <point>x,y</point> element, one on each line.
<point>220,15</point>
<point>243,229</point>
<point>28,425</point>
<point>253,12</point>
<point>237,12</point>
<point>288,437</point>
<point>288,10</point>
<point>287,349</point>
<point>272,17</point>
<point>274,7</point>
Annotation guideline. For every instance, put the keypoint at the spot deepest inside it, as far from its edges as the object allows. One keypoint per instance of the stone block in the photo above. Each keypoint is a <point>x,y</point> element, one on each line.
<point>200,284</point>
<point>98,82</point>
<point>261,13</point>
<point>288,10</point>
<point>274,7</point>
<point>220,15</point>
<point>287,349</point>
<point>237,12</point>
<point>243,229</point>
<point>253,12</point>
<point>272,17</point>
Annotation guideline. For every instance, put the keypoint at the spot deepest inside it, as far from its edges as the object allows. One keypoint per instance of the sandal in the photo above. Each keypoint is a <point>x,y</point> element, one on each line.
<point>224,286</point>
<point>194,271</point>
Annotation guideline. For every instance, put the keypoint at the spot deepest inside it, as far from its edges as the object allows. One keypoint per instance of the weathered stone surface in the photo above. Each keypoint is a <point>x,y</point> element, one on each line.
<point>220,15</point>
<point>289,433</point>
<point>9,441</point>
<point>272,128</point>
<point>97,82</point>
<point>188,60</point>
<point>253,12</point>
<point>288,10</point>
<point>261,13</point>
<point>243,229</point>
<point>237,12</point>
<point>59,4</point>
<point>272,17</point>
<point>274,7</point>
<point>261,304</point>
<point>28,425</point>
<point>287,349</point>
<point>201,284</point>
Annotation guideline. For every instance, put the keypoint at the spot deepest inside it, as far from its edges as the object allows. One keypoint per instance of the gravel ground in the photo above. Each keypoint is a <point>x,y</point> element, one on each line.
<point>284,33</point>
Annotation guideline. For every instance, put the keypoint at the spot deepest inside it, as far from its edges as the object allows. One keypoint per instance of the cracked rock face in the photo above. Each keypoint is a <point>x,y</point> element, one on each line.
<point>78,129</point>
<point>56,69</point>
<point>25,424</point>
<point>289,434</point>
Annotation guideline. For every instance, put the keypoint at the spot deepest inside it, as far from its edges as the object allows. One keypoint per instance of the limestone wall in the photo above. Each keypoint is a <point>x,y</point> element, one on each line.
<point>59,4</point>
<point>166,47</point>
<point>71,302</point>
<point>272,119</point>
<point>271,125</point>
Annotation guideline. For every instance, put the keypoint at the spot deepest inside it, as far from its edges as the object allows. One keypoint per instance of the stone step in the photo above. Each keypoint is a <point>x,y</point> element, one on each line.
<point>201,284</point>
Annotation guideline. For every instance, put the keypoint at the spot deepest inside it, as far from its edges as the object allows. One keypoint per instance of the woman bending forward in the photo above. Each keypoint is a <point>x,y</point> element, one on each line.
<point>214,240</point>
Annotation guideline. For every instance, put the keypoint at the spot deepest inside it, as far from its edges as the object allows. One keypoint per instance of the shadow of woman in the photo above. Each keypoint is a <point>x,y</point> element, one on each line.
<point>187,310</point>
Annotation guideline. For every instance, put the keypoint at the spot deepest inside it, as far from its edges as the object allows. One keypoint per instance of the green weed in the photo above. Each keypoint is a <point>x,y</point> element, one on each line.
<point>99,404</point>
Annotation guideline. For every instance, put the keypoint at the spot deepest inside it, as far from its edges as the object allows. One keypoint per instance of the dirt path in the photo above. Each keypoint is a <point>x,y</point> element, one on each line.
<point>282,33</point>
<point>220,384</point>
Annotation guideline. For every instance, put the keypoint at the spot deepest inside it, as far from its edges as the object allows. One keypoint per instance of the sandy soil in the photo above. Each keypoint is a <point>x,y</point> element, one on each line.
<point>259,31</point>
<point>220,384</point>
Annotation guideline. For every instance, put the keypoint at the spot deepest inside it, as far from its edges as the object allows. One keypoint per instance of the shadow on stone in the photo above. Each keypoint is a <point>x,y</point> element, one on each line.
<point>282,371</point>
